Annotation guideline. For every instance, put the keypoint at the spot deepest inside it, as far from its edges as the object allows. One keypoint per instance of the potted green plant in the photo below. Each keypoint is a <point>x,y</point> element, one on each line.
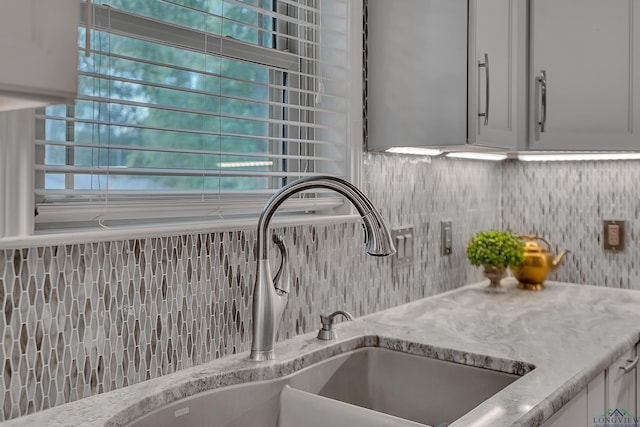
<point>495,250</point>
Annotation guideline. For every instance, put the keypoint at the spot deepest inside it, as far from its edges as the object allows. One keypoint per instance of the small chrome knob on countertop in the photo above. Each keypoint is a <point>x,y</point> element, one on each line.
<point>327,332</point>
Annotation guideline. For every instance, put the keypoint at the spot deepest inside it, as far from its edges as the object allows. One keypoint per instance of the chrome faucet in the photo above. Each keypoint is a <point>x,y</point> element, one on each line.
<point>270,294</point>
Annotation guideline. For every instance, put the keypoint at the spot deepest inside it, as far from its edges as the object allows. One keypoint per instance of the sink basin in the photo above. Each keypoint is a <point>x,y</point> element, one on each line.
<point>417,388</point>
<point>391,387</point>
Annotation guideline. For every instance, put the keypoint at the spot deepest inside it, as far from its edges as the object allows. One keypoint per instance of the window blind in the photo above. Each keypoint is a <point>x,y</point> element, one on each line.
<point>196,108</point>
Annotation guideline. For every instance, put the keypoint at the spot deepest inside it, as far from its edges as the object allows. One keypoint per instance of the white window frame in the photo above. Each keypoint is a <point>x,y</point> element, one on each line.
<point>17,160</point>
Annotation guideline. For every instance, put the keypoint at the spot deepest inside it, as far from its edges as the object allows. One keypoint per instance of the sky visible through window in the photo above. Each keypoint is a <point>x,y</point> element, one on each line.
<point>171,116</point>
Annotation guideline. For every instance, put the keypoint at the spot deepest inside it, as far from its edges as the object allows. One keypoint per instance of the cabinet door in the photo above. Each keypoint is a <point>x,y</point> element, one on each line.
<point>416,73</point>
<point>637,413</point>
<point>573,414</point>
<point>588,53</point>
<point>581,411</point>
<point>497,73</point>
<point>39,51</point>
<point>596,399</point>
<point>621,384</point>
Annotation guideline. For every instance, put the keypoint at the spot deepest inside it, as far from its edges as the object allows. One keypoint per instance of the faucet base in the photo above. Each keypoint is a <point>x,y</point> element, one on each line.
<point>261,355</point>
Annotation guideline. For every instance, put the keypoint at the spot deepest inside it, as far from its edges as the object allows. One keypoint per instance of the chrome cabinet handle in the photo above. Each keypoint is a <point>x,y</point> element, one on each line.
<point>542,83</point>
<point>631,366</point>
<point>485,64</point>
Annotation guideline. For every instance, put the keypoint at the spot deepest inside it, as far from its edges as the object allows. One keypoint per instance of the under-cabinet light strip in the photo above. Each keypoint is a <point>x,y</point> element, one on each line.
<point>548,157</point>
<point>577,156</point>
<point>414,150</point>
<point>477,156</point>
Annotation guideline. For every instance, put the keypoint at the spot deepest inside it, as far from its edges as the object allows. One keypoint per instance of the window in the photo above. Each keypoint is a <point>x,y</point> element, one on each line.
<point>195,108</point>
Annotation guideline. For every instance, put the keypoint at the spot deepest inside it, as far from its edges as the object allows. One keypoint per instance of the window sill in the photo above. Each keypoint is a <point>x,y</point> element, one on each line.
<point>167,230</point>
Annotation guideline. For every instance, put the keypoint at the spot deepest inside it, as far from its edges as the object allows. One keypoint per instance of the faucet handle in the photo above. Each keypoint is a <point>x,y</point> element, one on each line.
<point>282,275</point>
<point>327,332</point>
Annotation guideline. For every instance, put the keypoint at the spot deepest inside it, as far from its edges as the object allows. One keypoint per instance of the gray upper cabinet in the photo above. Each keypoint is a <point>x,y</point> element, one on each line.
<point>39,50</point>
<point>497,111</point>
<point>416,73</point>
<point>539,74</point>
<point>585,75</point>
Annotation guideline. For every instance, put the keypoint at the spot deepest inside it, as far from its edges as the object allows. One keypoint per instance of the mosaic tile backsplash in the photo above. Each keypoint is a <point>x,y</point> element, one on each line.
<point>566,203</point>
<point>88,318</point>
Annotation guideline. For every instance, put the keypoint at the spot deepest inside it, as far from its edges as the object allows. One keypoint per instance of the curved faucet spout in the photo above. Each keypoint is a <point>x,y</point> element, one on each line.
<point>270,298</point>
<point>378,238</point>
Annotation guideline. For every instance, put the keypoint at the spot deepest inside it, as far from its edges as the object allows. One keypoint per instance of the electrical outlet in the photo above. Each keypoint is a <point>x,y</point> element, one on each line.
<point>614,235</point>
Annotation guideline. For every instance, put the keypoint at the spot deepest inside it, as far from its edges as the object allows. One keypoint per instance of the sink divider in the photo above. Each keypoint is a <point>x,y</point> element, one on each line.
<point>299,408</point>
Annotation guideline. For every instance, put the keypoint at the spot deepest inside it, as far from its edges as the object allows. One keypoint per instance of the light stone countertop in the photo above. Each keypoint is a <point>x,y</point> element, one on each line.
<point>570,333</point>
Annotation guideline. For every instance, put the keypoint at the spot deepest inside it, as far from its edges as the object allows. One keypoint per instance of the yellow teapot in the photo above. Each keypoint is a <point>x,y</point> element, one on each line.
<point>538,263</point>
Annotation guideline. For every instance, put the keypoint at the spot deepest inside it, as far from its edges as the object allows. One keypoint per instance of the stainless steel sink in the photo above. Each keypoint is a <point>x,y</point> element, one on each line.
<point>368,386</point>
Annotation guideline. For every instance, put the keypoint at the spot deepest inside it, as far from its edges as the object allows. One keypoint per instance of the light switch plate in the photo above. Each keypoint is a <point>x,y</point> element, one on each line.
<point>446,234</point>
<point>613,235</point>
<point>403,240</point>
